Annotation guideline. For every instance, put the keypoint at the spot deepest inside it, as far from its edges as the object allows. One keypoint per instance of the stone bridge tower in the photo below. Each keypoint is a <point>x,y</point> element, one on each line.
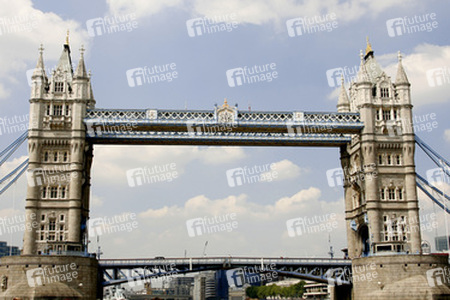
<point>59,157</point>
<point>382,212</point>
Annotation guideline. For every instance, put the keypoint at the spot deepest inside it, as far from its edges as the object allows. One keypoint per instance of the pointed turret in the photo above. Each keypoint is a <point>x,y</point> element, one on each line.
<point>81,80</point>
<point>40,69</point>
<point>91,93</point>
<point>401,75</point>
<point>65,61</point>
<point>39,80</point>
<point>343,104</point>
<point>81,68</point>
<point>362,76</point>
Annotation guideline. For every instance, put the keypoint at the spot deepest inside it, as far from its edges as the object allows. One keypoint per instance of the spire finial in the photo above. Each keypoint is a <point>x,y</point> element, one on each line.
<point>361,55</point>
<point>399,56</point>
<point>342,79</point>
<point>225,102</point>
<point>369,46</point>
<point>82,50</point>
<point>67,38</point>
<point>41,49</point>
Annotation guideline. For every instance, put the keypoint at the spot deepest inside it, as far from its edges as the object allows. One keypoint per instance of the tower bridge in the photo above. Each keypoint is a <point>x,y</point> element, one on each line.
<point>369,127</point>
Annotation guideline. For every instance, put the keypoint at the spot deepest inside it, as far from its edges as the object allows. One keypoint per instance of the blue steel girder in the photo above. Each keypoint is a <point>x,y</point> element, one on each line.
<point>132,270</point>
<point>200,127</point>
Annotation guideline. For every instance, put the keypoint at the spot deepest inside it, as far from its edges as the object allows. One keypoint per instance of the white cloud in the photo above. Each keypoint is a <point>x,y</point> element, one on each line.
<point>141,8</point>
<point>96,201</point>
<point>447,135</point>
<point>285,170</point>
<point>220,155</point>
<point>113,161</point>
<point>259,12</point>
<point>164,230</point>
<point>423,58</point>
<point>30,28</point>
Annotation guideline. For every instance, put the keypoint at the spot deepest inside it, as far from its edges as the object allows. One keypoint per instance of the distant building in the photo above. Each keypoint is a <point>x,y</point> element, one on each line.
<point>205,286</point>
<point>6,250</point>
<point>442,242</point>
<point>211,285</point>
<point>236,294</point>
<point>182,286</point>
<point>316,291</point>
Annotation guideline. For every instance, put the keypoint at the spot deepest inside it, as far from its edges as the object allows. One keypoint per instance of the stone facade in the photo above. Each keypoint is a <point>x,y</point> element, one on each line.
<point>401,277</point>
<point>382,212</point>
<point>48,277</point>
<point>59,158</point>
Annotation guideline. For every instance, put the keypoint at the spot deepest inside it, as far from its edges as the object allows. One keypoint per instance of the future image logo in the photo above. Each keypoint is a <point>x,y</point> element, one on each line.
<point>210,225</point>
<point>409,25</point>
<point>153,74</point>
<point>111,24</point>
<point>309,25</point>
<point>438,276</point>
<point>239,277</point>
<point>249,175</point>
<point>315,224</point>
<point>210,25</point>
<point>438,76</point>
<point>249,75</point>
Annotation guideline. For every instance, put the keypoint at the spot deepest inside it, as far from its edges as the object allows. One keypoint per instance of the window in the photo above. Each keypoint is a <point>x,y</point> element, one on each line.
<point>400,194</point>
<point>65,156</point>
<point>391,194</point>
<point>44,192</point>
<point>59,87</point>
<point>380,159</point>
<point>67,110</point>
<point>61,218</point>
<point>389,160</point>
<point>52,225</point>
<point>385,219</point>
<point>47,111</point>
<point>57,110</point>
<point>398,159</point>
<point>55,156</point>
<point>42,236</point>
<point>54,192</point>
<point>61,227</point>
<point>378,115</point>
<point>63,192</point>
<point>386,114</point>
<point>384,92</point>
<point>42,227</point>
<point>395,114</point>
<point>46,156</point>
<point>51,237</point>
<point>61,237</point>
<point>382,195</point>
<point>42,217</point>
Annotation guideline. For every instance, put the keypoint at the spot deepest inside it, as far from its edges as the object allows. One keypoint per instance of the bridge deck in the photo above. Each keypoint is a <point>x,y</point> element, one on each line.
<point>201,127</point>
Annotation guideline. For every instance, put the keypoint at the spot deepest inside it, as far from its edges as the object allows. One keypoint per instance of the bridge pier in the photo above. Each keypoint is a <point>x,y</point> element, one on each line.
<point>401,277</point>
<point>48,277</point>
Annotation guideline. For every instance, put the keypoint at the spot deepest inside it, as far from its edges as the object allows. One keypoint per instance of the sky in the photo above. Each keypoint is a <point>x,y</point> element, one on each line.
<point>158,217</point>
